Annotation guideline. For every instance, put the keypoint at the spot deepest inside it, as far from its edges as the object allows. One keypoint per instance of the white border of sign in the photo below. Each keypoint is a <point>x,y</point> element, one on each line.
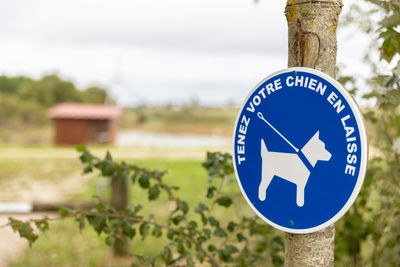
<point>364,151</point>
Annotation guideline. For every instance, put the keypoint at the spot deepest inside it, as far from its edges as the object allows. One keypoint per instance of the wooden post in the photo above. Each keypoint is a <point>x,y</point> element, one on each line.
<point>312,43</point>
<point>119,200</point>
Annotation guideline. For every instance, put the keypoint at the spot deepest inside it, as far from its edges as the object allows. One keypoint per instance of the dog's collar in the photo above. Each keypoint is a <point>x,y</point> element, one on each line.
<point>305,160</point>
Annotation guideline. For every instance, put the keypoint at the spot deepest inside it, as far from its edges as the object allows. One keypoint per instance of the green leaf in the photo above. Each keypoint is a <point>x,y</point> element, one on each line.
<point>99,223</point>
<point>220,232</point>
<point>154,192</point>
<point>183,206</point>
<point>42,225</point>
<point>200,256</point>
<point>210,191</point>
<point>128,230</point>
<point>86,157</point>
<point>225,254</point>
<point>144,181</point>
<point>144,229</point>
<point>177,219</point>
<point>108,156</point>
<point>157,231</point>
<point>110,241</point>
<point>240,237</point>
<point>81,148</point>
<point>107,168</point>
<point>189,262</point>
<point>231,226</point>
<point>207,232</point>
<point>214,222</point>
<point>81,221</point>
<point>192,225</point>
<point>87,169</point>
<point>26,231</point>
<point>15,224</point>
<point>167,256</point>
<point>133,178</point>
<point>211,248</point>
<point>138,208</point>
<point>224,201</point>
<point>170,234</point>
<point>200,208</point>
<point>64,212</point>
<point>180,247</point>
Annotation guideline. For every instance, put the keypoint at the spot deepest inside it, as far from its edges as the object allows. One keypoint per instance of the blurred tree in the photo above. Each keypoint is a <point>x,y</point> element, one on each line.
<point>50,90</point>
<point>11,85</point>
<point>94,94</point>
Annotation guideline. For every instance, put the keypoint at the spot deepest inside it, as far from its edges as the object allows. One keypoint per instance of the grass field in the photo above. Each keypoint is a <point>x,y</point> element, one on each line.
<point>51,167</point>
<point>190,119</point>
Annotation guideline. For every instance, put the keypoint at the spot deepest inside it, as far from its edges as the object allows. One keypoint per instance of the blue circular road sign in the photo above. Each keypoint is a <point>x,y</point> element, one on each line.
<point>300,150</point>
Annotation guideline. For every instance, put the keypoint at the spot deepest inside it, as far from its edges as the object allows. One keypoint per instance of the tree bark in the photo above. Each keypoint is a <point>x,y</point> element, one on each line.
<point>119,200</point>
<point>312,43</point>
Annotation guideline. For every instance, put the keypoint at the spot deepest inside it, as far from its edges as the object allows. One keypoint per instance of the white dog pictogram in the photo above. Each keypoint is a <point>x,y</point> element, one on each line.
<point>289,166</point>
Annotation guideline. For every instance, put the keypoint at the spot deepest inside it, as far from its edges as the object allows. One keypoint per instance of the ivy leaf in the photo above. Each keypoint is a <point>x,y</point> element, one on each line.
<point>154,192</point>
<point>224,201</point>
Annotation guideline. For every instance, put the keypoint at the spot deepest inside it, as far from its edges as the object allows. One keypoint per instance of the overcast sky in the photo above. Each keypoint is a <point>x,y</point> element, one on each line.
<point>155,51</point>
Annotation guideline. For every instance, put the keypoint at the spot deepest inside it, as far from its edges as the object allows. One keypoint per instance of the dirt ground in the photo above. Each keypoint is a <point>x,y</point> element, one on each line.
<point>11,245</point>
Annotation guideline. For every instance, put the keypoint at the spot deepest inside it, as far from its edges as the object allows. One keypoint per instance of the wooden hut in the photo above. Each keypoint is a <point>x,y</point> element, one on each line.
<point>84,123</point>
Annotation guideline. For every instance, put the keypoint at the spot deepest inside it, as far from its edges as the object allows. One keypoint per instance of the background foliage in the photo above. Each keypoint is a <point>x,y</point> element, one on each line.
<point>24,102</point>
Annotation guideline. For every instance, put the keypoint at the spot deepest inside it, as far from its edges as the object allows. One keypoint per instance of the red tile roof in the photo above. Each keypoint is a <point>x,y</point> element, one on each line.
<point>84,111</point>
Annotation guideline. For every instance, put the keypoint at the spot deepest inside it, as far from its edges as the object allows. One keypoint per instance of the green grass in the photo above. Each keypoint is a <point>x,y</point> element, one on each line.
<point>63,245</point>
<point>38,169</point>
<point>188,119</point>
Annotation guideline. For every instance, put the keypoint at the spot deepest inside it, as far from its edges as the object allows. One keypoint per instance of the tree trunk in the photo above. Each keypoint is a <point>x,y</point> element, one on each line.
<point>119,200</point>
<point>312,43</point>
